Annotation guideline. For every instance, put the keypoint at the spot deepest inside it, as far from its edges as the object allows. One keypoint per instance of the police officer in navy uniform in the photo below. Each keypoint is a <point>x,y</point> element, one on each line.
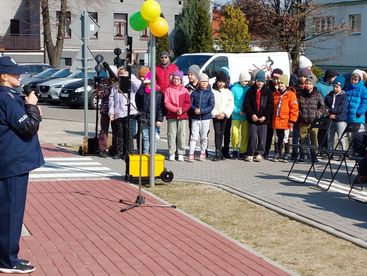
<point>20,153</point>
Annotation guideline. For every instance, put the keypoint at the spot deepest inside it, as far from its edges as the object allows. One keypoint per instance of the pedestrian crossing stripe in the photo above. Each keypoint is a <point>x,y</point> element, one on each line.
<point>71,168</point>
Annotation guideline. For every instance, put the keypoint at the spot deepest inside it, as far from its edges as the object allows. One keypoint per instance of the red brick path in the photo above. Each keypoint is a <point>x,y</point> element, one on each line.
<point>77,229</point>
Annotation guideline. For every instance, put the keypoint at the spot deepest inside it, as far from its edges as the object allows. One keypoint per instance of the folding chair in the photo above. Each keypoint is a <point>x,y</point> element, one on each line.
<point>357,182</point>
<point>351,128</point>
<point>322,123</point>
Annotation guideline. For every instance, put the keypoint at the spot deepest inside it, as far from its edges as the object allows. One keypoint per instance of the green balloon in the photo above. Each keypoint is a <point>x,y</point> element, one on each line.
<point>137,22</point>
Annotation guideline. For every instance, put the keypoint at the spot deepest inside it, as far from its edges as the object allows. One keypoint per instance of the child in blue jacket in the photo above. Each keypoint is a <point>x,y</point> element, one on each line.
<point>202,104</point>
<point>336,102</point>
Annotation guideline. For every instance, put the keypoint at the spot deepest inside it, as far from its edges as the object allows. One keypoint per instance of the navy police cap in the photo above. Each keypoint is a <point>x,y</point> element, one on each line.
<point>9,66</point>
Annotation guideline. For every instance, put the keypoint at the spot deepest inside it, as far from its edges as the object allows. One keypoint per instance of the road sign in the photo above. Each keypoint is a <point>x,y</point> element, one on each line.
<point>77,26</point>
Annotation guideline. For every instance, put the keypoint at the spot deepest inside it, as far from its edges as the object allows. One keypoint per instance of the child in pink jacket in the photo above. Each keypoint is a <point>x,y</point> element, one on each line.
<point>177,102</point>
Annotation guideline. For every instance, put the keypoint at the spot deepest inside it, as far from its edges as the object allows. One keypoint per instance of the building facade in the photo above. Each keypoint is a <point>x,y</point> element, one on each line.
<point>344,28</point>
<point>21,28</point>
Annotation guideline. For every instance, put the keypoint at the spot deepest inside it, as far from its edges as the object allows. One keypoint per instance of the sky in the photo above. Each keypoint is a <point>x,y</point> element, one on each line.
<point>222,2</point>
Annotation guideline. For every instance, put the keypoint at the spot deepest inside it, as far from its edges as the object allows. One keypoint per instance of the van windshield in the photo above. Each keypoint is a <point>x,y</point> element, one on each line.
<point>184,62</point>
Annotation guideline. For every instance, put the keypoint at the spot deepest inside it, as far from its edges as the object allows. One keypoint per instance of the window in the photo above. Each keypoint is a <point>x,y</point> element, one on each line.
<point>323,24</point>
<point>355,23</point>
<point>215,65</point>
<point>14,27</point>
<point>67,23</point>
<point>94,15</point>
<point>119,25</point>
<point>65,62</point>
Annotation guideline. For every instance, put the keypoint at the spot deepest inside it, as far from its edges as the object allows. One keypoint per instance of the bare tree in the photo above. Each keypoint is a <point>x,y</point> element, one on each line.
<point>281,24</point>
<point>54,51</point>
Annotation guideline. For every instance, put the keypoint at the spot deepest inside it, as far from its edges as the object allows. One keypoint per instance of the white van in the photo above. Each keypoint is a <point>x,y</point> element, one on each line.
<point>210,63</point>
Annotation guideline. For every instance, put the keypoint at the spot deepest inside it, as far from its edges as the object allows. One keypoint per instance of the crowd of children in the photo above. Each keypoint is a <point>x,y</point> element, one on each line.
<point>257,110</point>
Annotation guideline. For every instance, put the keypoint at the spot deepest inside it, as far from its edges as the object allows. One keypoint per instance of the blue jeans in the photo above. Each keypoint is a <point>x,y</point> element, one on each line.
<point>338,128</point>
<point>146,138</point>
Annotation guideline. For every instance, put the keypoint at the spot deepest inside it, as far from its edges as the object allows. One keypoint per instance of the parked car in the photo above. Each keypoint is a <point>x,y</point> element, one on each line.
<point>44,76</point>
<point>32,69</point>
<point>73,93</point>
<point>50,90</point>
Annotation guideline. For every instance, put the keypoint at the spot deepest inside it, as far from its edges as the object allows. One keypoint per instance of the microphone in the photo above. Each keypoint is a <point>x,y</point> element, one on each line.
<point>109,70</point>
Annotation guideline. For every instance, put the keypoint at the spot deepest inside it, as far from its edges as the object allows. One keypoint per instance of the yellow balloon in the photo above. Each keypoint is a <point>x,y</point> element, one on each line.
<point>158,27</point>
<point>150,10</point>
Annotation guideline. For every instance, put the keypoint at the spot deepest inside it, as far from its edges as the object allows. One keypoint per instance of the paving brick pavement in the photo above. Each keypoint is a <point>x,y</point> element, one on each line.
<point>77,228</point>
<point>265,183</point>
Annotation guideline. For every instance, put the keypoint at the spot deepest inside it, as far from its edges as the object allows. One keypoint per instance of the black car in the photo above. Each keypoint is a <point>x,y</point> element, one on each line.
<point>73,94</point>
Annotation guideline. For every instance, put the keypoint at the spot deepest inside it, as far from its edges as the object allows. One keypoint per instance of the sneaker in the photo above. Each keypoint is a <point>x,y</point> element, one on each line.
<point>276,157</point>
<point>258,158</point>
<point>20,268</point>
<point>249,158</point>
<point>202,156</point>
<point>190,158</point>
<point>103,154</point>
<point>24,262</point>
<point>285,158</point>
<point>242,156</point>
<point>235,155</point>
<point>171,157</point>
<point>180,158</point>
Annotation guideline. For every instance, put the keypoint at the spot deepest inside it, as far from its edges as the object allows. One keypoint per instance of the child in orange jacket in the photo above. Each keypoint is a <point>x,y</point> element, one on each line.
<point>284,117</point>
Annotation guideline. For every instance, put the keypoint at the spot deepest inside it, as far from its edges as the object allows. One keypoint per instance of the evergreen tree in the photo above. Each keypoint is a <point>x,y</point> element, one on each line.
<point>161,45</point>
<point>193,28</point>
<point>234,36</point>
<point>202,38</point>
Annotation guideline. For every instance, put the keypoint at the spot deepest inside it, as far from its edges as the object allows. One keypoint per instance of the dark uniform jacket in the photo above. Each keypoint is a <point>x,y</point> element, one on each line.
<point>266,105</point>
<point>20,150</point>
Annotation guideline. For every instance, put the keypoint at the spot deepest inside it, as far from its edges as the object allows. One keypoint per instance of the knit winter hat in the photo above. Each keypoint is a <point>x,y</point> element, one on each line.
<point>245,76</point>
<point>305,72</point>
<point>330,73</point>
<point>164,54</point>
<point>178,74</point>
<point>195,70</point>
<point>253,74</point>
<point>203,77</point>
<point>143,71</point>
<point>225,69</point>
<point>304,62</point>
<point>277,72</point>
<point>360,73</point>
<point>284,79</point>
<point>339,80</point>
<point>260,76</point>
<point>311,78</point>
<point>221,76</point>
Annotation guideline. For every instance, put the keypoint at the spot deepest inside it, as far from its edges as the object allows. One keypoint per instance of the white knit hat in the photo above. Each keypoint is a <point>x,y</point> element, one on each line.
<point>245,76</point>
<point>360,73</point>
<point>304,62</point>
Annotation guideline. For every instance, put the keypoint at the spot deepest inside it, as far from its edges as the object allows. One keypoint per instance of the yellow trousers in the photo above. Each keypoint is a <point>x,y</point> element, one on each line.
<point>240,135</point>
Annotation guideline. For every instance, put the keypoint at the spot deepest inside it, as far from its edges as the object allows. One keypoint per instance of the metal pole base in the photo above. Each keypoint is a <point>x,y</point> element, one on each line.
<point>140,202</point>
